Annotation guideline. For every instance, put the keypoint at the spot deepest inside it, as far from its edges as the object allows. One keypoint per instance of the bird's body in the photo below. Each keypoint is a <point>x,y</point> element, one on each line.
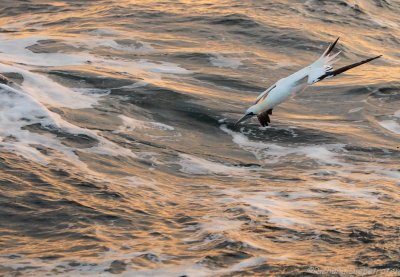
<point>295,83</point>
<point>282,90</point>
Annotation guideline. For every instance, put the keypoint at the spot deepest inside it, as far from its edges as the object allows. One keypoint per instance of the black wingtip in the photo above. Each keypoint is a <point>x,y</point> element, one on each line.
<point>336,40</point>
<point>331,46</point>
<point>371,59</point>
<point>345,68</point>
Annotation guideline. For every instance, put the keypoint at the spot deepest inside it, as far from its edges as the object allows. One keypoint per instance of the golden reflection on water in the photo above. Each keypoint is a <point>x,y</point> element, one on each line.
<point>186,217</point>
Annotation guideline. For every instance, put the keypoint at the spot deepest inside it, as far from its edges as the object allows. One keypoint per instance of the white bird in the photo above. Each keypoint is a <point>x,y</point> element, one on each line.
<point>295,83</point>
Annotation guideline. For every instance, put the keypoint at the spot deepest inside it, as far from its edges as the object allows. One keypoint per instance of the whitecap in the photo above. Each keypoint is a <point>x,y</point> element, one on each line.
<point>19,109</point>
<point>49,92</point>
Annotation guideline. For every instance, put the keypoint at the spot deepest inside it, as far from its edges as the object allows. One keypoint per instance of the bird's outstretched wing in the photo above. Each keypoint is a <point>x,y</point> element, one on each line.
<point>333,73</point>
<point>323,67</point>
<point>264,94</point>
<point>264,117</point>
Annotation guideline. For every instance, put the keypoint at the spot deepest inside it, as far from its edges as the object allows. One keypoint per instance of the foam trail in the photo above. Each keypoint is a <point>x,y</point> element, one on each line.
<point>198,166</point>
<point>130,124</point>
<point>15,50</point>
<point>264,151</point>
<point>20,109</point>
<point>49,92</point>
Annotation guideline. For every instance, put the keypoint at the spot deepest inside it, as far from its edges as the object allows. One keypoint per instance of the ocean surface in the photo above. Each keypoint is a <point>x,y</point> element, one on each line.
<point>118,154</point>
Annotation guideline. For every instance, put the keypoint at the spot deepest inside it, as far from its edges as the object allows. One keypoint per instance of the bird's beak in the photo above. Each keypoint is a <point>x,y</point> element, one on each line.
<point>244,118</point>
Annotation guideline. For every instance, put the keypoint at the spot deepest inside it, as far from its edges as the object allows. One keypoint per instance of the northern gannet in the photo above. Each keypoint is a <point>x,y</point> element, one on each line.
<point>280,91</point>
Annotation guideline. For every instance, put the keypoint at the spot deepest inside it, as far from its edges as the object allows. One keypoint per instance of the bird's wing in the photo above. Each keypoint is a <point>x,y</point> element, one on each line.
<point>263,117</point>
<point>307,75</point>
<point>264,94</point>
<point>333,73</point>
<point>323,67</point>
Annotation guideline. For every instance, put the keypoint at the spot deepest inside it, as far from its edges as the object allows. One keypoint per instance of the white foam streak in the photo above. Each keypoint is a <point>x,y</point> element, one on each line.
<point>49,92</point>
<point>198,166</point>
<point>15,50</point>
<point>349,190</point>
<point>135,47</point>
<point>19,109</point>
<point>267,151</point>
<point>130,124</point>
<point>195,270</point>
<point>284,212</point>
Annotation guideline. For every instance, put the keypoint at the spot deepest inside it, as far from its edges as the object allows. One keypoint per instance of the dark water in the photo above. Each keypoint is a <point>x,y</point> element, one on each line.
<point>118,154</point>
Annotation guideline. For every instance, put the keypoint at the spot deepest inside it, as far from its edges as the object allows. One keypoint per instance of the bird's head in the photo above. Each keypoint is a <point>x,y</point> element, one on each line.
<point>247,115</point>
